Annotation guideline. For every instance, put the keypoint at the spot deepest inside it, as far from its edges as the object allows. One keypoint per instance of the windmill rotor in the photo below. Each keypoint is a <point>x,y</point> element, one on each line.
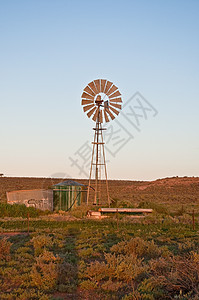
<point>100,99</point>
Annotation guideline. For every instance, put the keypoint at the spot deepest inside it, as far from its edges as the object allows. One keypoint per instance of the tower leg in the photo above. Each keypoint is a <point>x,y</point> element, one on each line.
<point>89,182</point>
<point>98,162</point>
<point>96,200</point>
<point>105,170</point>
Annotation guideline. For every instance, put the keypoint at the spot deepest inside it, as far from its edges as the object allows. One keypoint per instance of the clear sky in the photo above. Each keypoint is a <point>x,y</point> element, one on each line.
<point>51,49</point>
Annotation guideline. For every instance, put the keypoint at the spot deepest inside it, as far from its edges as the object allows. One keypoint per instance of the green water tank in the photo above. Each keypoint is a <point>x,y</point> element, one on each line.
<point>68,195</point>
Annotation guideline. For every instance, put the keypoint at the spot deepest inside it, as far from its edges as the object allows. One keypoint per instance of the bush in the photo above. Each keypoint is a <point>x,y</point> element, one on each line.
<point>138,247</point>
<point>10,279</point>
<point>20,210</point>
<point>80,211</point>
<point>66,277</point>
<point>159,208</point>
<point>40,242</point>
<point>121,203</point>
<point>177,276</point>
<point>4,249</point>
<point>44,272</point>
<point>115,273</point>
<point>17,210</point>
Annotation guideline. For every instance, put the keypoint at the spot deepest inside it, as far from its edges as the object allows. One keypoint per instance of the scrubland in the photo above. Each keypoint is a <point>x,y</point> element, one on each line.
<point>67,256</point>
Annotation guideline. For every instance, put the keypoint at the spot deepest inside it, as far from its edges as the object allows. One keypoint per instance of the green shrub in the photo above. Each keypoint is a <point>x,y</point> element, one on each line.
<point>44,272</point>
<point>17,210</point>
<point>20,210</point>
<point>138,247</point>
<point>88,252</point>
<point>67,273</point>
<point>88,285</point>
<point>10,279</point>
<point>135,296</point>
<point>177,276</point>
<point>116,272</point>
<point>5,249</point>
<point>159,208</point>
<point>181,211</point>
<point>115,202</point>
<point>80,211</point>
<point>40,243</point>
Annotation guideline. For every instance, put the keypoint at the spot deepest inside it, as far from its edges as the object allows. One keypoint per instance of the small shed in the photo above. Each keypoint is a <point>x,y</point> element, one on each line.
<point>41,199</point>
<point>68,194</point>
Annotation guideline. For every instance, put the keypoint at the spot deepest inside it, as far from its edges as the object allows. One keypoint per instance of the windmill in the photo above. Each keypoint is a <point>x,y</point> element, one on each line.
<point>101,101</point>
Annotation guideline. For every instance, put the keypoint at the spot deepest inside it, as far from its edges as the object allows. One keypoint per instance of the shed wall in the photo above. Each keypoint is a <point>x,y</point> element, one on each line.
<point>41,199</point>
<point>68,197</point>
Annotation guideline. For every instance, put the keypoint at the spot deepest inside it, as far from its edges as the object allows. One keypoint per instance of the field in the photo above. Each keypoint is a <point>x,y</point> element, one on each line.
<point>170,192</point>
<point>66,256</point>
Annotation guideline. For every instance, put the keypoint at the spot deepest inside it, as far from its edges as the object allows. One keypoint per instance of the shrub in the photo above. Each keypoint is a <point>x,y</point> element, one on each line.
<point>121,203</point>
<point>44,272</point>
<point>115,273</point>
<point>135,296</point>
<point>186,219</point>
<point>177,276</point>
<point>80,211</point>
<point>112,286</point>
<point>41,242</point>
<point>20,210</point>
<point>88,252</point>
<point>181,211</point>
<point>23,250</point>
<point>138,247</point>
<point>10,279</point>
<point>66,273</point>
<point>159,208</point>
<point>187,246</point>
<point>17,210</point>
<point>88,285</point>
<point>149,290</point>
<point>5,249</point>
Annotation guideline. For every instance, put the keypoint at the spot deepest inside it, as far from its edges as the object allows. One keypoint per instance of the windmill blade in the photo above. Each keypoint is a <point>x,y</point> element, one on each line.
<point>89,91</point>
<point>87,96</point>
<point>115,100</point>
<point>95,115</point>
<point>85,108</point>
<point>106,116</point>
<point>84,102</point>
<point>103,84</point>
<point>93,87</point>
<point>116,105</point>
<point>107,109</point>
<point>110,113</point>
<point>114,110</point>
<point>100,117</point>
<point>112,89</point>
<point>116,94</point>
<point>89,114</point>
<point>108,85</point>
<point>98,85</point>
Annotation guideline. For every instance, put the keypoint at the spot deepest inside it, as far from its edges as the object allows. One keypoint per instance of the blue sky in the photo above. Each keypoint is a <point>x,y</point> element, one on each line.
<point>50,50</point>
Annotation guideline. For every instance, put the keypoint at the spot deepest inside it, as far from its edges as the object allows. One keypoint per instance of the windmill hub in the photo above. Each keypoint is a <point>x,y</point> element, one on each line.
<point>98,100</point>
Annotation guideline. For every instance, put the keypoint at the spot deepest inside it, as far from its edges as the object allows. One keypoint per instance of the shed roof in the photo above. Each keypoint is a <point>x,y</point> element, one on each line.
<point>68,182</point>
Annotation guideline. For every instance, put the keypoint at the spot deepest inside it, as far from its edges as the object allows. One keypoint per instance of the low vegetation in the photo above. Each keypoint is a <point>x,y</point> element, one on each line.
<point>154,258</point>
<point>19,210</point>
<point>70,257</point>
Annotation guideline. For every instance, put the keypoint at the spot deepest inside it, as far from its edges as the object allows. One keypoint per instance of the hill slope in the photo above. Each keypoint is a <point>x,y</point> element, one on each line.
<point>175,190</point>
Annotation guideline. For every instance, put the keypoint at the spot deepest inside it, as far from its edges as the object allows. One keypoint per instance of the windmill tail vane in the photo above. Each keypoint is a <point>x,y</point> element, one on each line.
<point>101,100</point>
